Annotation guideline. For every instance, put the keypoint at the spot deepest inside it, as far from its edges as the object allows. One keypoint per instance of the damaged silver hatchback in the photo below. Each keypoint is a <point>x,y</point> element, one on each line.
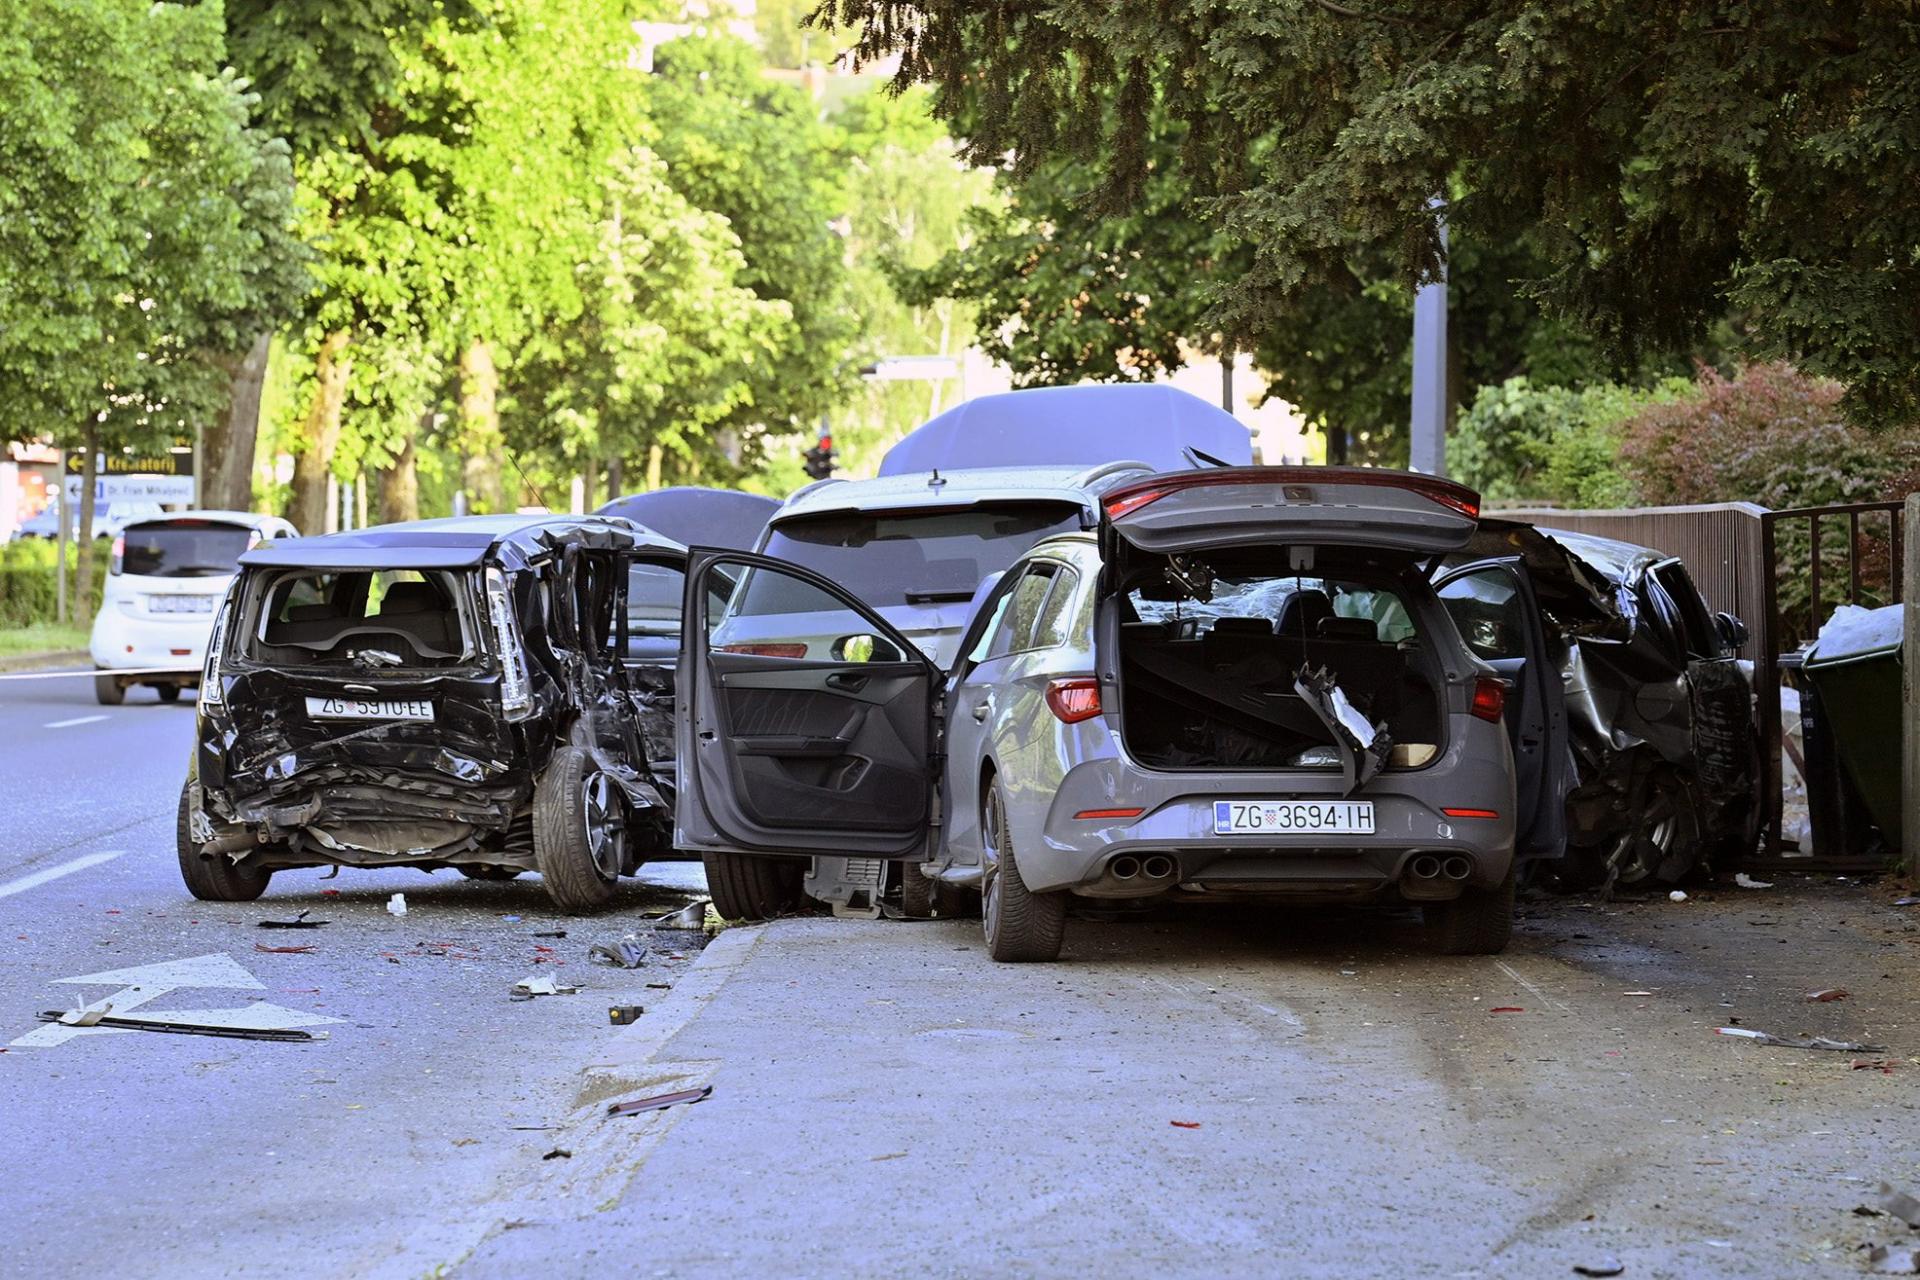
<point>446,693</point>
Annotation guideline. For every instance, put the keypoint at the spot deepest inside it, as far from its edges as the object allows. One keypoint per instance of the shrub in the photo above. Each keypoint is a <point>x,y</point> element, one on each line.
<point>1770,434</point>
<point>1519,442</point>
<point>28,588</point>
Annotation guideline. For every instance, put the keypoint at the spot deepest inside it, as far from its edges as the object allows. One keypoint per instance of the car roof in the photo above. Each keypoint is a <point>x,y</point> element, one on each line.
<point>697,516</point>
<point>965,488</point>
<point>455,542</point>
<point>1074,426</point>
<point>246,519</point>
<point>1619,561</point>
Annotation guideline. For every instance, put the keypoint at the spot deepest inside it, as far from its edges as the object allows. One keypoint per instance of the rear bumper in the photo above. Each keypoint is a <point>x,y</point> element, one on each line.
<point>120,642</point>
<point>1176,823</point>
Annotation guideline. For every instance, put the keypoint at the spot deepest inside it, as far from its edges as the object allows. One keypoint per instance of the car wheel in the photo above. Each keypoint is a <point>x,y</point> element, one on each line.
<point>916,892</point>
<point>489,873</point>
<point>747,886</point>
<point>579,831</point>
<point>108,691</point>
<point>214,879</point>
<point>1021,925</point>
<point>956,901</point>
<point>168,692</point>
<point>1664,845</point>
<point>1477,923</point>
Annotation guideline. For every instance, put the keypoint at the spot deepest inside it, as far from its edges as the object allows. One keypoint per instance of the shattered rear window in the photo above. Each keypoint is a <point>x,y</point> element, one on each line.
<point>380,618</point>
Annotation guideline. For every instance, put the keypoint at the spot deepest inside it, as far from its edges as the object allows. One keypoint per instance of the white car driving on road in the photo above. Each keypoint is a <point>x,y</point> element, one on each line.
<point>164,585</point>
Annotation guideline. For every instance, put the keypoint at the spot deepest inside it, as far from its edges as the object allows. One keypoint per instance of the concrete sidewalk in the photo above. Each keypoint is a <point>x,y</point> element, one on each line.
<point>888,1102</point>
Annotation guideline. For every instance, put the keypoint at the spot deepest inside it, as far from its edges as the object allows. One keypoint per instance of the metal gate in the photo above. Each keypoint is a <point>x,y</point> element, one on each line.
<point>1807,574</point>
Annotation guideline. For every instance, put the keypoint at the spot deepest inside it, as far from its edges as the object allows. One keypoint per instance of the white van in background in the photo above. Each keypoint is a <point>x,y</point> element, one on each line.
<point>167,578</point>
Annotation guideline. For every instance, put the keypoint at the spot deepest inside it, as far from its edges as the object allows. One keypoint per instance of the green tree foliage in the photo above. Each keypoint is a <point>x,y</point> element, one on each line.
<point>1665,161</point>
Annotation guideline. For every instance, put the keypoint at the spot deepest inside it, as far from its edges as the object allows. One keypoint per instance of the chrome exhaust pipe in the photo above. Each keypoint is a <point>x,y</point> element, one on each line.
<point>1457,867</point>
<point>1157,867</point>
<point>1424,867</point>
<point>231,842</point>
<point>1124,867</point>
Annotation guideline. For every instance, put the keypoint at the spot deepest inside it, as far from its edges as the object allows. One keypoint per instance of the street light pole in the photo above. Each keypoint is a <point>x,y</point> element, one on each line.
<point>1428,452</point>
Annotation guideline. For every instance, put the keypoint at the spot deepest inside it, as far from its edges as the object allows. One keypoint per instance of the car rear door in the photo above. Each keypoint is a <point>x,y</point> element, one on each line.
<point>782,750</point>
<point>1493,606</point>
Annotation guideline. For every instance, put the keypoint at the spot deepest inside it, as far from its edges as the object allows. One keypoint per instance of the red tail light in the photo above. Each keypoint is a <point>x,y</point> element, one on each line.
<point>119,554</point>
<point>1091,814</point>
<point>1446,493</point>
<point>1489,698</point>
<point>1471,813</point>
<point>767,650</point>
<point>1074,700</point>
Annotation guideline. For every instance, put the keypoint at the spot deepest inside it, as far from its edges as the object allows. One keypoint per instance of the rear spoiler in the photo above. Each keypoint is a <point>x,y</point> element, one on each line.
<point>1455,497</point>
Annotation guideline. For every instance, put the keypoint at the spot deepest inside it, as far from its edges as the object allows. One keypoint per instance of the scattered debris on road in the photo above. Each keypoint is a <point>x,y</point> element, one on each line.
<point>1800,1042</point>
<point>397,905</point>
<point>100,1017</point>
<point>1826,995</point>
<point>1184,1124</point>
<point>622,955</point>
<point>298,922</point>
<point>1906,902</point>
<point>1506,1008</point>
<point>1746,881</point>
<point>1678,895</point>
<point>1895,1203</point>
<point>623,1015</point>
<point>552,933</point>
<point>283,951</point>
<point>1894,1260</point>
<point>661,1100</point>
<point>1636,993</point>
<point>558,1153</point>
<point>1605,1265</point>
<point>529,987</point>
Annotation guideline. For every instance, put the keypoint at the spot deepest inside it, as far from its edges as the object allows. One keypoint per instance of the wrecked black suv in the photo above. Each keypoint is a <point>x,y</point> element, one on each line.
<point>446,693</point>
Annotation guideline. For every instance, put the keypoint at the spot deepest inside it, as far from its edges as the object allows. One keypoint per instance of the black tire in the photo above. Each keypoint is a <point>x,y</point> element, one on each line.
<point>489,873</point>
<point>213,879</point>
<point>747,886</point>
<point>916,892</point>
<point>108,691</point>
<point>956,901</point>
<point>1477,923</point>
<point>580,858</point>
<point>1021,925</point>
<point>168,692</point>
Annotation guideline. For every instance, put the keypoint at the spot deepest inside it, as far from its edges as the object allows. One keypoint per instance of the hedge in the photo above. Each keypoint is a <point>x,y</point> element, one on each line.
<point>28,588</point>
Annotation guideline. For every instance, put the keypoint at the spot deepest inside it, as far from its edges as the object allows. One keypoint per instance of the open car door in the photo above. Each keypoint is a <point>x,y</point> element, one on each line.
<point>798,741</point>
<point>1493,606</point>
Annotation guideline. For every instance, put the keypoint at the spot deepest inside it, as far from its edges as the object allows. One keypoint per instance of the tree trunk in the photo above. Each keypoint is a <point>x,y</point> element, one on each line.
<point>655,457</point>
<point>614,469</point>
<point>83,564</point>
<point>1336,446</point>
<point>400,487</point>
<point>484,478</point>
<point>321,431</point>
<point>227,445</point>
<point>589,482</point>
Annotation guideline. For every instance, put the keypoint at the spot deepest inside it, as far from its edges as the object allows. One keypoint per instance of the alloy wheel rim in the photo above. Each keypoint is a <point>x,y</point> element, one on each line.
<point>604,823</point>
<point>990,866</point>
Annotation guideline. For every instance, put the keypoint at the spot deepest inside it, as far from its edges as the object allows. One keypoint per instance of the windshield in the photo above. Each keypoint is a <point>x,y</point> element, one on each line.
<point>911,557</point>
<point>184,549</point>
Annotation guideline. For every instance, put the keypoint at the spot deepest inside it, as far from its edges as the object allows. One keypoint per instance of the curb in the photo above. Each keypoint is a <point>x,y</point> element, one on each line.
<point>50,658</point>
<point>632,1051</point>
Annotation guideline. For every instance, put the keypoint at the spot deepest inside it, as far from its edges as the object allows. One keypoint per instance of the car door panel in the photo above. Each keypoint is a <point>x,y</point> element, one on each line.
<point>1494,608</point>
<point>800,755</point>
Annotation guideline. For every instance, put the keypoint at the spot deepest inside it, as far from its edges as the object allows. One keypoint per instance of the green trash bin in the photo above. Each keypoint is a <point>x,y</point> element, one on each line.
<point>1855,667</point>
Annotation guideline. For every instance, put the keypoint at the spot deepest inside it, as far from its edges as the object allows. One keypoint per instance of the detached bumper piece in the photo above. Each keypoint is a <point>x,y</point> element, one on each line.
<point>1363,745</point>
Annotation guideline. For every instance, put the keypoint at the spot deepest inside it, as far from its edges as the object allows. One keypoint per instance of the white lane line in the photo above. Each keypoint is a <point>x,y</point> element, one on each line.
<point>39,878</point>
<point>68,724</point>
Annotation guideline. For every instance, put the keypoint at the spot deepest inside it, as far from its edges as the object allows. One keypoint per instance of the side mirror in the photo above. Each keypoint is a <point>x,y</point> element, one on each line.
<point>865,648</point>
<point>1733,632</point>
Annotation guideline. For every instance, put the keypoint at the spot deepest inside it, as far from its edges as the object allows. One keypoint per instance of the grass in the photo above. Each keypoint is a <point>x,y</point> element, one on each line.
<point>41,637</point>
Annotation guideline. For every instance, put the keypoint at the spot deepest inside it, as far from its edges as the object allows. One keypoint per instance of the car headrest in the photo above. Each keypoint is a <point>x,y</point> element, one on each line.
<point>1303,612</point>
<point>1242,627</point>
<point>411,597</point>
<point>1348,629</point>
<point>312,613</point>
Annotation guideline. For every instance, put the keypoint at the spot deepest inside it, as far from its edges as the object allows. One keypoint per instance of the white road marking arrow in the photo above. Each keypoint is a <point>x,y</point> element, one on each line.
<point>142,984</point>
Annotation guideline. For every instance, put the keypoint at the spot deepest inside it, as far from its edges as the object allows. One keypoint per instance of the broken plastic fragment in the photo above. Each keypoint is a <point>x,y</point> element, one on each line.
<point>660,1100</point>
<point>1678,895</point>
<point>1894,1260</point>
<point>1898,1204</point>
<point>1184,1124</point>
<point>1800,1042</point>
<point>397,905</point>
<point>1827,995</point>
<point>1746,881</point>
<point>623,954</point>
<point>1605,1265</point>
<point>529,987</point>
<point>298,922</point>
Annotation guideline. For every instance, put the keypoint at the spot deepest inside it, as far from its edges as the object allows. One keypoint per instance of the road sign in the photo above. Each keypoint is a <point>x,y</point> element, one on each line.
<point>142,984</point>
<point>163,462</point>
<point>135,488</point>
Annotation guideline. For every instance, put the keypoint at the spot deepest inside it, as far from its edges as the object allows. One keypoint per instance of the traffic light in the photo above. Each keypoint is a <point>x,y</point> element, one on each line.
<point>820,458</point>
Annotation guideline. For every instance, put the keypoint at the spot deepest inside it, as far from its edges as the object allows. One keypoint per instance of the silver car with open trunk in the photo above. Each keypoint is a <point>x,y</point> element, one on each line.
<point>1240,684</point>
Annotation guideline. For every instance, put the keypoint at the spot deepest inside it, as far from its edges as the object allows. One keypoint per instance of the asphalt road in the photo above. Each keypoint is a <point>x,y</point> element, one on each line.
<point>163,1155</point>
<point>1208,1093</point>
